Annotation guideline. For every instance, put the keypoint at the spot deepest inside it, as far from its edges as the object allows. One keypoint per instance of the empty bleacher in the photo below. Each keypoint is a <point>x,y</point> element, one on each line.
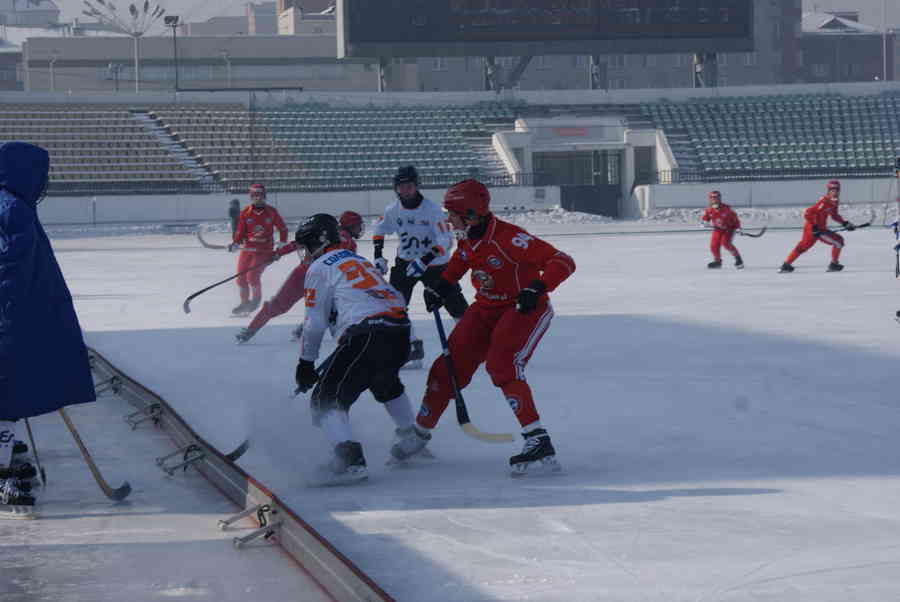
<point>740,136</point>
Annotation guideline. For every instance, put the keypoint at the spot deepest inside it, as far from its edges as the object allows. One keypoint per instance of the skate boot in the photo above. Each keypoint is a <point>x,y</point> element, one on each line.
<point>785,268</point>
<point>416,355</point>
<point>20,447</point>
<point>834,267</point>
<point>14,503</point>
<point>537,457</point>
<point>244,335</point>
<point>714,265</point>
<point>242,309</point>
<point>738,263</point>
<point>410,441</point>
<point>897,317</point>
<point>18,471</point>
<point>347,467</point>
<point>254,304</point>
<point>297,333</point>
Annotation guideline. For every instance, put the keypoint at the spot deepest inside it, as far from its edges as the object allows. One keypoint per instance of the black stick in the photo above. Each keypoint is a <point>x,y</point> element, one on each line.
<point>462,413</point>
<point>187,302</point>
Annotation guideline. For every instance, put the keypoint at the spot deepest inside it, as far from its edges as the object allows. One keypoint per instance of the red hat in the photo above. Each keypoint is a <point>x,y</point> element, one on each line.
<point>715,194</point>
<point>834,185</point>
<point>257,188</point>
<point>468,198</point>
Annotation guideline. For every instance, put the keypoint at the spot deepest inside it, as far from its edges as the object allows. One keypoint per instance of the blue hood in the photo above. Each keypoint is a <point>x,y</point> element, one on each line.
<point>24,170</point>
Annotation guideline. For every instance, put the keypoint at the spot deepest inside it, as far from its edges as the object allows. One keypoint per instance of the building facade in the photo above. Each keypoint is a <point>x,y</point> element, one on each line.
<point>837,48</point>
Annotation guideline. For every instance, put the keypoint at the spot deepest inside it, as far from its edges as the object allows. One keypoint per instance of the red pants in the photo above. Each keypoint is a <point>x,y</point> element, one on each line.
<point>830,238</point>
<point>250,282</point>
<point>501,337</point>
<point>287,296</point>
<point>722,238</point>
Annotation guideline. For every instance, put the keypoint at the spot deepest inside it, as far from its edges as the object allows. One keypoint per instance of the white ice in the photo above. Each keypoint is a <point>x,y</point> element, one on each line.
<point>726,435</point>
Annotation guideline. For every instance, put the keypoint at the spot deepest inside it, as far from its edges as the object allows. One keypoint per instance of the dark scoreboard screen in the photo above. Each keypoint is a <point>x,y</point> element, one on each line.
<point>510,27</point>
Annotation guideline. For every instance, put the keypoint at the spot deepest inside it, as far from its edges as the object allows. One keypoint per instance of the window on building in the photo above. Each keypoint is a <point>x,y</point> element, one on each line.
<point>722,59</point>
<point>722,80</point>
<point>680,60</point>
<point>542,62</point>
<point>649,60</point>
<point>820,70</point>
<point>580,60</point>
<point>617,84</point>
<point>617,61</point>
<point>750,59</point>
<point>438,63</point>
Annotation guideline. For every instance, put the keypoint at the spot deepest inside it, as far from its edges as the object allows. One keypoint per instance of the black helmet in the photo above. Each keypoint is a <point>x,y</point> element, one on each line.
<point>317,232</point>
<point>406,174</point>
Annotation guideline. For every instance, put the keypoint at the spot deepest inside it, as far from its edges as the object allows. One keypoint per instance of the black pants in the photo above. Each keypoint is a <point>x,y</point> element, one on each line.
<point>369,356</point>
<point>455,303</point>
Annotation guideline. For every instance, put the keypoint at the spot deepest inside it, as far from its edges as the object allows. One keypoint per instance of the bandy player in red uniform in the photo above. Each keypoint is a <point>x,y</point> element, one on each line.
<point>255,232</point>
<point>815,228</point>
<point>512,272</point>
<point>351,228</point>
<point>724,222</point>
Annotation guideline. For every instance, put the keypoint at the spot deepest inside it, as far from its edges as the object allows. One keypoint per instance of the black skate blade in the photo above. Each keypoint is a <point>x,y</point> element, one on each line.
<point>324,477</point>
<point>16,512</point>
<point>541,468</point>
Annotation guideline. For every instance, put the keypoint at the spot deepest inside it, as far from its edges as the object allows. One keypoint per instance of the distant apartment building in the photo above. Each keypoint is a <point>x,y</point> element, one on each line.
<point>838,48</point>
<point>28,13</point>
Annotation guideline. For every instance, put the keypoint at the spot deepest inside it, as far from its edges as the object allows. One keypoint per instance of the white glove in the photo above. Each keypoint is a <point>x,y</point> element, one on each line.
<point>381,265</point>
<point>416,269</point>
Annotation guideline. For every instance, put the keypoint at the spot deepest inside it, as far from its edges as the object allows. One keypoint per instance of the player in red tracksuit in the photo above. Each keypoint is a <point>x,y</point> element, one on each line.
<point>351,228</point>
<point>256,236</point>
<point>724,222</point>
<point>512,272</point>
<point>815,228</point>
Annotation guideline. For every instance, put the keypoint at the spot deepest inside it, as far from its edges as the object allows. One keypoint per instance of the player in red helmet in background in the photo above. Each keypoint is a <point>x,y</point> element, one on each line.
<point>255,236</point>
<point>351,228</point>
<point>815,228</point>
<point>512,272</point>
<point>724,222</point>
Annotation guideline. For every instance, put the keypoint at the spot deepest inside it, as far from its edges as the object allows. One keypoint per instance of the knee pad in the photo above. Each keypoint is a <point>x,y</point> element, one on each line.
<point>391,391</point>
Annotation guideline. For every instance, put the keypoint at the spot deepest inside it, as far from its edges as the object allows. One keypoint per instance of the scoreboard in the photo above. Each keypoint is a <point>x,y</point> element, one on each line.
<point>386,28</point>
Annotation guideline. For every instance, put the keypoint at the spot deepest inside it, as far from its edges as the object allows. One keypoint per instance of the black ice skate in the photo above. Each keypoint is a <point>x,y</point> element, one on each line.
<point>416,355</point>
<point>410,442</point>
<point>18,471</point>
<point>537,457</point>
<point>785,268</point>
<point>20,447</point>
<point>15,503</point>
<point>714,265</point>
<point>347,467</point>
<point>834,267</point>
<point>738,263</point>
<point>244,335</point>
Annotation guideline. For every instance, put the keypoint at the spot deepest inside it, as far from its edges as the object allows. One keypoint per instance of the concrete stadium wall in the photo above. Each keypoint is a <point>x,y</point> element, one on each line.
<point>293,206</point>
<point>769,193</point>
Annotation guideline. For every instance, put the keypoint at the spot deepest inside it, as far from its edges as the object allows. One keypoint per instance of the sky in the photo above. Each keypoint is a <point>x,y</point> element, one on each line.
<point>200,10</point>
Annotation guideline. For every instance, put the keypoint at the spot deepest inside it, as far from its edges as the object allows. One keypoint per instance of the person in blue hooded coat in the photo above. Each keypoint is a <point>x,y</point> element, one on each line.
<point>43,359</point>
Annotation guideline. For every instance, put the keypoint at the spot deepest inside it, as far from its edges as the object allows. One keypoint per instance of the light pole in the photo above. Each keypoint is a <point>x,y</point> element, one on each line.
<point>172,21</point>
<point>227,58</point>
<point>141,21</point>
<point>54,56</point>
<point>884,40</point>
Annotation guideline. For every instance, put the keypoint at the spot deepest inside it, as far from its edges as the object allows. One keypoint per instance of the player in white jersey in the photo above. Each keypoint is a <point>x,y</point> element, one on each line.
<point>368,319</point>
<point>426,243</point>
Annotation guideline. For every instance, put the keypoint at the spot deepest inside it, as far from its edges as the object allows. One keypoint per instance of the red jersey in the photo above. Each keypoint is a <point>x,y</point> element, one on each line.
<point>347,242</point>
<point>256,228</point>
<point>504,261</point>
<point>818,214</point>
<point>723,218</point>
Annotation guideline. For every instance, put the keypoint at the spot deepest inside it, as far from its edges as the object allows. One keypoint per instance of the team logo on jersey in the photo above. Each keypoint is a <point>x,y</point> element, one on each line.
<point>513,403</point>
<point>424,412</point>
<point>411,221</point>
<point>494,262</point>
<point>268,220</point>
<point>424,222</point>
<point>464,255</point>
<point>258,228</point>
<point>485,281</point>
<point>250,220</point>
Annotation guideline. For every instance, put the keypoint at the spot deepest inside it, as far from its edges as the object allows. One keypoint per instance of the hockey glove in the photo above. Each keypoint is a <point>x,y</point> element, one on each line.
<point>528,297</point>
<point>433,300</point>
<point>306,375</point>
<point>850,227</point>
<point>233,247</point>
<point>816,231</point>
<point>381,265</point>
<point>416,269</point>
<point>897,247</point>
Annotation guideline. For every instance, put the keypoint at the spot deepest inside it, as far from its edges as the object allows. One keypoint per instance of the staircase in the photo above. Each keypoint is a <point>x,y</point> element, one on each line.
<point>155,127</point>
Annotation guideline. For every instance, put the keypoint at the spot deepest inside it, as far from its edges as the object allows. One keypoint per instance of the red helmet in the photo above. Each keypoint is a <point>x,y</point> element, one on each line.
<point>257,188</point>
<point>715,195</point>
<point>352,222</point>
<point>469,198</point>
<point>833,185</point>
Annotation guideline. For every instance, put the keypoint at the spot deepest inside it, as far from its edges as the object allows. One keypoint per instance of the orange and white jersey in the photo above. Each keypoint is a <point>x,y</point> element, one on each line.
<point>344,289</point>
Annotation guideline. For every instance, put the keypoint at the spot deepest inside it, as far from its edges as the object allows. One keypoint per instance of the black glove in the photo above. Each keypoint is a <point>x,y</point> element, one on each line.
<point>850,227</point>
<point>433,300</point>
<point>816,231</point>
<point>528,297</point>
<point>306,376</point>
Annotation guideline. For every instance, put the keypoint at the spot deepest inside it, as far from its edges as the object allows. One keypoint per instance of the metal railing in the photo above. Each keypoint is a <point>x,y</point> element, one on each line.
<point>683,176</point>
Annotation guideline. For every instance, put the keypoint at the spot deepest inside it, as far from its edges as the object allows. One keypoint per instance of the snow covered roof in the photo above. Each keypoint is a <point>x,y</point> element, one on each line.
<point>18,35</point>
<point>827,23</point>
<point>23,6</point>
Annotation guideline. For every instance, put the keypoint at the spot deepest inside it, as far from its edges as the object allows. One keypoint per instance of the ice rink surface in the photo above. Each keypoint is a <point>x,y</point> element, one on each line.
<point>725,435</point>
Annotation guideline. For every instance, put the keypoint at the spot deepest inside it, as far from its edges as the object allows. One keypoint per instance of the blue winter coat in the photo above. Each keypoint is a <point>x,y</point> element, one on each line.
<point>43,360</point>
